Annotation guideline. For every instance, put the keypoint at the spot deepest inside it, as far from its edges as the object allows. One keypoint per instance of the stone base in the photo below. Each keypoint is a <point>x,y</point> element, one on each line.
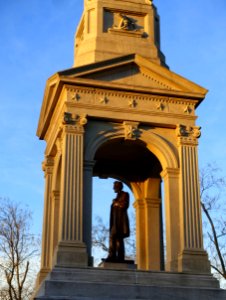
<point>42,275</point>
<point>71,255</point>
<point>194,261</point>
<point>103,284</point>
<point>126,265</point>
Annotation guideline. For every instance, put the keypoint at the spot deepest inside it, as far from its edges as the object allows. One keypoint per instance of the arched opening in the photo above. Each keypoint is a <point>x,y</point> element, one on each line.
<point>126,160</point>
<point>137,167</point>
<point>103,195</point>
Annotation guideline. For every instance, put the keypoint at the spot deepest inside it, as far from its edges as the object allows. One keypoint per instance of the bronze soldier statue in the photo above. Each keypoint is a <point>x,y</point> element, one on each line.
<point>119,224</point>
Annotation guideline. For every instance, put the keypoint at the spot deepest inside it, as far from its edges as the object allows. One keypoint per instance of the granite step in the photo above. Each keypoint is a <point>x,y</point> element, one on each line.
<point>102,284</point>
<point>134,277</point>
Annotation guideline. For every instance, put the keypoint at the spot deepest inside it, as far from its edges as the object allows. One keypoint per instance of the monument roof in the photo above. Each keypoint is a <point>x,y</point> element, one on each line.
<point>135,71</point>
<point>130,73</point>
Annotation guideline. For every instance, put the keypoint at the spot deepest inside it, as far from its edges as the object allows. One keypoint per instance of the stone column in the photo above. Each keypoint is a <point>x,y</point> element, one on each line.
<point>56,197</point>
<point>192,258</point>
<point>153,224</point>
<point>87,208</point>
<point>46,258</point>
<point>148,224</point>
<point>71,250</point>
<point>55,216</point>
<point>171,177</point>
<point>140,234</point>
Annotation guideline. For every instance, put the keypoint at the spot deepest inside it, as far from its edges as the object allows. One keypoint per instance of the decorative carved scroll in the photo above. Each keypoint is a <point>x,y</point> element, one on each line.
<point>76,97</point>
<point>103,100</point>
<point>131,130</point>
<point>132,103</point>
<point>188,109</point>
<point>47,165</point>
<point>188,134</point>
<point>161,106</point>
<point>188,131</point>
<point>71,119</point>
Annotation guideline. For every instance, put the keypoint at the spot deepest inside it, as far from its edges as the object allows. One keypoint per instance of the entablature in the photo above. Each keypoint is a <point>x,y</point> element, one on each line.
<point>123,103</point>
<point>117,89</point>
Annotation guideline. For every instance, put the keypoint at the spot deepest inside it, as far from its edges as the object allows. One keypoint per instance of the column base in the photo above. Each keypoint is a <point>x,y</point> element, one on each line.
<point>71,255</point>
<point>41,276</point>
<point>194,261</point>
<point>171,266</point>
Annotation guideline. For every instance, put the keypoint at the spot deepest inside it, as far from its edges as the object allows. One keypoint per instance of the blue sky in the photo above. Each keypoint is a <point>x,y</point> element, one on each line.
<point>36,40</point>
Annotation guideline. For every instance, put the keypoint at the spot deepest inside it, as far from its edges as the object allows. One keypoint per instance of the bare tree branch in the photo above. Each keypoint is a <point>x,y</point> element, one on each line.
<point>212,186</point>
<point>17,248</point>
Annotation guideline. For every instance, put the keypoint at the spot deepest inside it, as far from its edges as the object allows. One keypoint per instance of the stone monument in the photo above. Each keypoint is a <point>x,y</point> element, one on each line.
<point>120,112</point>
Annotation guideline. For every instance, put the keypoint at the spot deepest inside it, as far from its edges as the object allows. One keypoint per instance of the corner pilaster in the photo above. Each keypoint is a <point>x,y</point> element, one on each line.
<point>87,208</point>
<point>148,226</point>
<point>46,258</point>
<point>171,177</point>
<point>139,206</point>
<point>192,258</point>
<point>153,224</point>
<point>153,234</point>
<point>71,250</point>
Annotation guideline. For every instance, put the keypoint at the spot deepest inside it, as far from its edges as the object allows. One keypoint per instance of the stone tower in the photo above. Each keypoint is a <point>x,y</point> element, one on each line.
<point>119,112</point>
<point>104,22</point>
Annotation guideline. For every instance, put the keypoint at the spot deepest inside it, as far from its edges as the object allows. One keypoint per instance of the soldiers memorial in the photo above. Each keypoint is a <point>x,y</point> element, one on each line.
<point>121,113</point>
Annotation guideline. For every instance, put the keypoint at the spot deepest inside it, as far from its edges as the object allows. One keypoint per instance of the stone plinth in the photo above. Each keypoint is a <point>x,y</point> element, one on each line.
<point>126,265</point>
<point>102,284</point>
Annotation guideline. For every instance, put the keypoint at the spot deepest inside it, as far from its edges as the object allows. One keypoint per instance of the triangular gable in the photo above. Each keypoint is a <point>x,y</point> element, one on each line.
<point>134,70</point>
<point>131,75</point>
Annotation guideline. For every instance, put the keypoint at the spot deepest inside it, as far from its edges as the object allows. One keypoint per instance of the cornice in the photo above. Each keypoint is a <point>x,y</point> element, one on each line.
<point>130,103</point>
<point>163,98</point>
<point>76,93</point>
<point>86,82</point>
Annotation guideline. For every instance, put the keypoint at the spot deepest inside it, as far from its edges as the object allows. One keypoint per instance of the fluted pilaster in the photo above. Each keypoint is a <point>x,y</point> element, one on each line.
<point>87,207</point>
<point>190,192</point>
<point>46,258</point>
<point>139,206</point>
<point>55,216</point>
<point>71,199</point>
<point>193,257</point>
<point>171,177</point>
<point>48,171</point>
<point>72,193</point>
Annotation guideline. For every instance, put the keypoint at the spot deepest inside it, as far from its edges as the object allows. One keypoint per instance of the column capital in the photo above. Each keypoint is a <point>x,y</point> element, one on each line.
<point>188,135</point>
<point>170,172</point>
<point>89,164</point>
<point>56,194</point>
<point>152,202</point>
<point>138,203</point>
<point>73,123</point>
<point>47,165</point>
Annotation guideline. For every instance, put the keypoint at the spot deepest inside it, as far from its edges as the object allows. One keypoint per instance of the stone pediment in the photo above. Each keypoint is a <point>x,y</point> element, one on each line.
<point>135,71</point>
<point>130,77</point>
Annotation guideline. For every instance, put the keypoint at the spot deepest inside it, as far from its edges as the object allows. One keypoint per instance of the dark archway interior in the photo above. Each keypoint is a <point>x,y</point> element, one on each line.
<point>129,160</point>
